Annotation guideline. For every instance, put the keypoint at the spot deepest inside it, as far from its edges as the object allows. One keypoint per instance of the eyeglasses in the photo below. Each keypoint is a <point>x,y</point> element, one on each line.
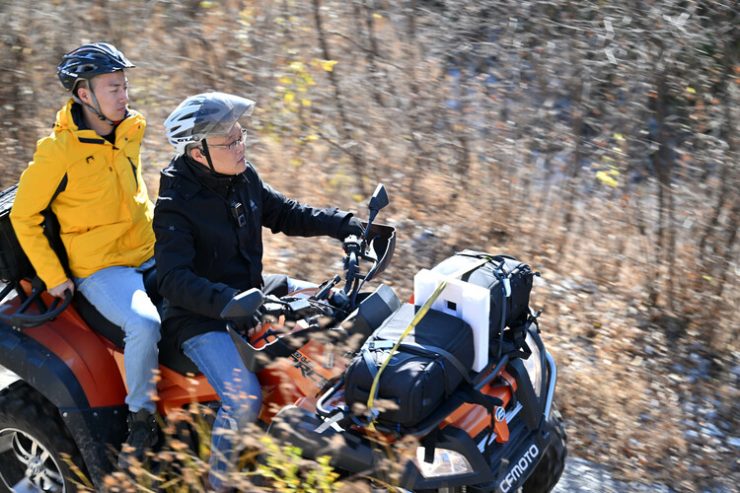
<point>232,145</point>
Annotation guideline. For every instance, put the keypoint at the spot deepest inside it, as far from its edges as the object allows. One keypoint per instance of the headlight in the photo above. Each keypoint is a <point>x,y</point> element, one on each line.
<point>533,364</point>
<point>446,463</point>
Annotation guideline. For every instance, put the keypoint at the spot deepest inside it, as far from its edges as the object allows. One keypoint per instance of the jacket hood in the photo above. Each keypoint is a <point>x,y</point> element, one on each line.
<point>65,120</point>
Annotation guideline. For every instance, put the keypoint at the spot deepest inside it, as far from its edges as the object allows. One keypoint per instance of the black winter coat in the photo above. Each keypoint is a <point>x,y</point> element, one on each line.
<point>209,248</point>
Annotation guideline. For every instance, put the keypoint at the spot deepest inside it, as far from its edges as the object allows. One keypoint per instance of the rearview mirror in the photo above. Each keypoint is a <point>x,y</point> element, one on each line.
<point>379,199</point>
<point>377,202</point>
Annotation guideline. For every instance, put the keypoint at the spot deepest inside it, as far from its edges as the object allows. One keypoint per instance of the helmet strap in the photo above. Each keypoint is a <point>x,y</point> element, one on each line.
<point>207,154</point>
<point>96,108</point>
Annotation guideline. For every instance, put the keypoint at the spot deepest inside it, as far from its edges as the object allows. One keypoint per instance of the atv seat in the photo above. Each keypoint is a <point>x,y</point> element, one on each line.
<point>170,354</point>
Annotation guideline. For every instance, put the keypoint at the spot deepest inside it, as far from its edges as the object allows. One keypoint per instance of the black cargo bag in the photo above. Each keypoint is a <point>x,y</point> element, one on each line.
<point>14,265</point>
<point>513,308</point>
<point>431,362</point>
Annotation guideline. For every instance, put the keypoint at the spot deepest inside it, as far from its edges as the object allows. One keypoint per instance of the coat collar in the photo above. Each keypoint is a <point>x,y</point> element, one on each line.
<point>65,122</point>
<point>193,177</point>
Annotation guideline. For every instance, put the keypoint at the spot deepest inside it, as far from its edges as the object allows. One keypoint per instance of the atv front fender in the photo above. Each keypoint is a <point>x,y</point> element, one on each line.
<point>94,429</point>
<point>40,368</point>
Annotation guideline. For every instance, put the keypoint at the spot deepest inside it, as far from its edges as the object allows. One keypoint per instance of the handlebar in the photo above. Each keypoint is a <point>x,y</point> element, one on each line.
<point>378,249</point>
<point>376,246</point>
<point>353,248</point>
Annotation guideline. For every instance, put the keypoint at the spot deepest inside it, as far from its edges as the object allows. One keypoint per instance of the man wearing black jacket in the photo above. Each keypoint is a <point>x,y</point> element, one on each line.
<point>208,224</point>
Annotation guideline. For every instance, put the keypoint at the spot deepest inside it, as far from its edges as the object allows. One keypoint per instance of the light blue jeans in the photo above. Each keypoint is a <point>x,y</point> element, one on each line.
<point>298,284</point>
<point>216,356</point>
<point>118,294</point>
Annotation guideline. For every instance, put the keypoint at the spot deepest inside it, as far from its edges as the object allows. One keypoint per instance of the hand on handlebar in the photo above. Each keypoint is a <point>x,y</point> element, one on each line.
<point>59,290</point>
<point>351,226</point>
<point>248,325</point>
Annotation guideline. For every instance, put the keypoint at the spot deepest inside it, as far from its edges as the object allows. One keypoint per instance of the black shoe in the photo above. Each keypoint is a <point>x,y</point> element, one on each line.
<point>143,434</point>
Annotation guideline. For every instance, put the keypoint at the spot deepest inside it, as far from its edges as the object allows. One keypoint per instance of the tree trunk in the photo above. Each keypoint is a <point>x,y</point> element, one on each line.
<point>664,162</point>
<point>730,166</point>
<point>419,154</point>
<point>577,127</point>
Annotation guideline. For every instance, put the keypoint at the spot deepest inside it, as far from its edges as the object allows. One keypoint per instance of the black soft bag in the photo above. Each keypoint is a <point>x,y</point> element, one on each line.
<point>513,309</point>
<point>14,264</point>
<point>430,364</point>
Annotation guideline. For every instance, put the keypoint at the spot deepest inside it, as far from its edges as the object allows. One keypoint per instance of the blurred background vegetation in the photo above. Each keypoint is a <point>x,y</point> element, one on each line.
<point>595,140</point>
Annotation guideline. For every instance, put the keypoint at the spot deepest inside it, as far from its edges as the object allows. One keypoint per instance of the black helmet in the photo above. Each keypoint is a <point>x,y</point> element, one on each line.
<point>90,60</point>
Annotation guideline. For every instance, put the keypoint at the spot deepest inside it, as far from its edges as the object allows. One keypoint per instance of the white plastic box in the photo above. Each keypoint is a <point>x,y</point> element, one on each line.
<point>463,300</point>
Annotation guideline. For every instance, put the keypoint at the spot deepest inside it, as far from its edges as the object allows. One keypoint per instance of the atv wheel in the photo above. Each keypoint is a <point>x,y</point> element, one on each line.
<point>547,473</point>
<point>33,441</point>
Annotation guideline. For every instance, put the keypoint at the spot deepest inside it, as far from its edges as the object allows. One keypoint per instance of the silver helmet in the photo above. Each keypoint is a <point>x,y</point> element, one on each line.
<point>205,115</point>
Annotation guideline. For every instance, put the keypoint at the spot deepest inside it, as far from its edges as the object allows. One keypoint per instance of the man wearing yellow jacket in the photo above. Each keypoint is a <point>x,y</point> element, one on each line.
<point>88,172</point>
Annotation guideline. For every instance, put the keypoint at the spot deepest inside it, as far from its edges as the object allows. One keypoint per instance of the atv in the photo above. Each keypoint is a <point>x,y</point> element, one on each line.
<point>66,409</point>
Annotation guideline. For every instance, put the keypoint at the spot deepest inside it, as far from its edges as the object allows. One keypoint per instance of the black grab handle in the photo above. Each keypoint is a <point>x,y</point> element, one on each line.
<point>20,319</point>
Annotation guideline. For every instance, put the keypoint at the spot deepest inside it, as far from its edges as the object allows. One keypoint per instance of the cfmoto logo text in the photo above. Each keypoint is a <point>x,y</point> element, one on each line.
<point>500,414</point>
<point>520,467</point>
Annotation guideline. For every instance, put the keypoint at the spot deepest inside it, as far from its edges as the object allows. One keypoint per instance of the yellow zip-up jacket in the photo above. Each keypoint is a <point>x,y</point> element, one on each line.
<point>104,212</point>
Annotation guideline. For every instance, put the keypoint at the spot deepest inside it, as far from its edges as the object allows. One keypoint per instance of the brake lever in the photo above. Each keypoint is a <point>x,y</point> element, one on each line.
<point>326,287</point>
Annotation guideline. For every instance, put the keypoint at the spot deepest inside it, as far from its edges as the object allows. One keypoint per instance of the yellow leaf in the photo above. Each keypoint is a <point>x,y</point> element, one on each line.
<point>328,65</point>
<point>377,16</point>
<point>285,80</point>
<point>295,162</point>
<point>297,66</point>
<point>606,179</point>
<point>305,102</point>
<point>357,197</point>
<point>312,137</point>
<point>205,4</point>
<point>618,136</point>
<point>690,90</point>
<point>289,97</point>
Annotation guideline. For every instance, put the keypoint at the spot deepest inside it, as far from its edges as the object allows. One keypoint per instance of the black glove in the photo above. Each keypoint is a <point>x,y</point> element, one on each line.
<point>246,325</point>
<point>351,226</point>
